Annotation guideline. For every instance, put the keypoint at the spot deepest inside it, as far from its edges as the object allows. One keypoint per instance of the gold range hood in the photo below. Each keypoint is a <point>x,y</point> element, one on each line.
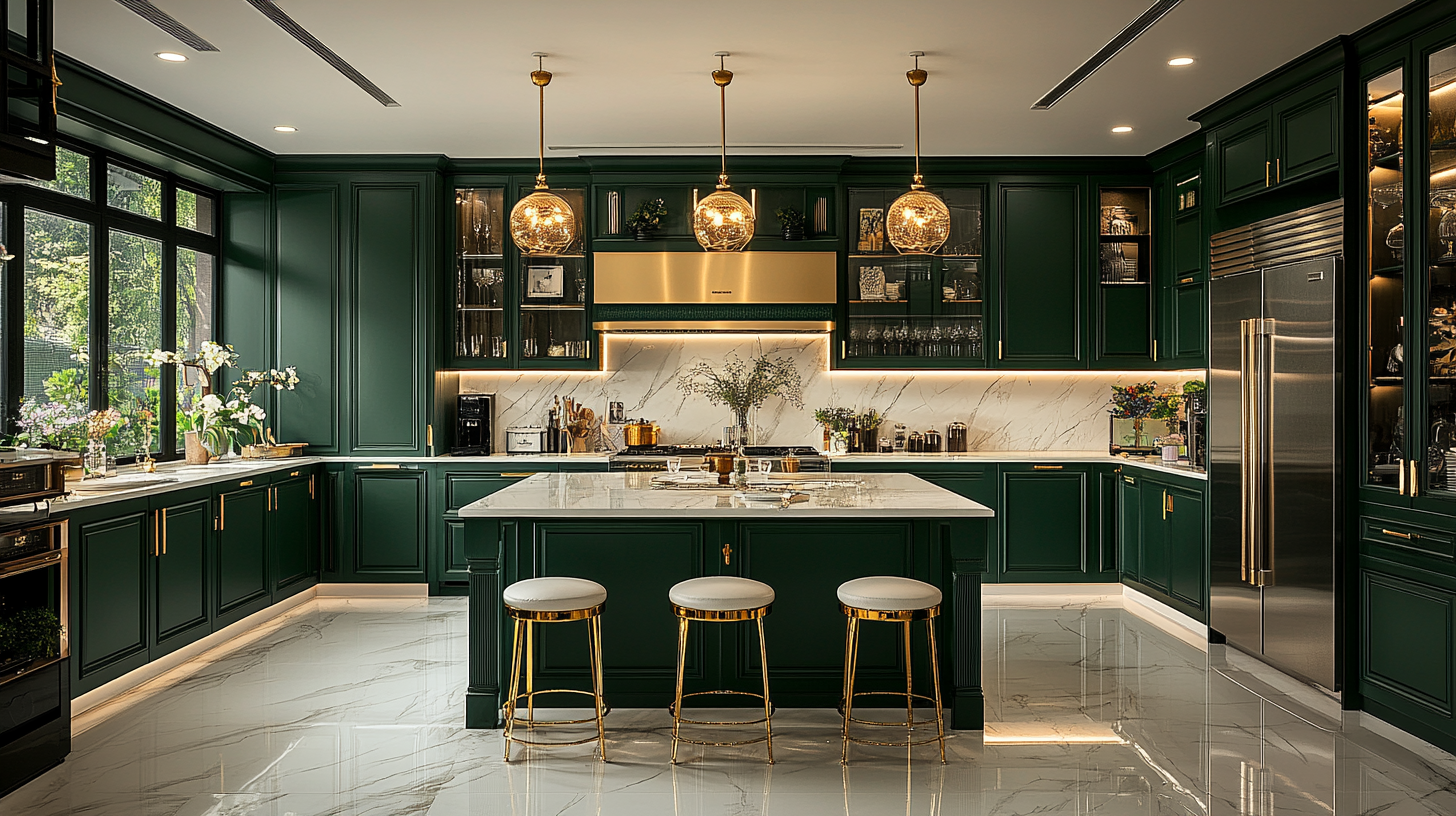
<point>687,292</point>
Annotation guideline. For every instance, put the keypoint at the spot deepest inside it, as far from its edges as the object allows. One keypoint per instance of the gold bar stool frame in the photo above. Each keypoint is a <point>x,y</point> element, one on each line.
<point>890,598</point>
<point>552,600</point>
<point>720,599</point>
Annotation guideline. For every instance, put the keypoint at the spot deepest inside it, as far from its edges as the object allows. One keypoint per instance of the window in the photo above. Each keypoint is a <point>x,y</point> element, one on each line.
<point>113,265</point>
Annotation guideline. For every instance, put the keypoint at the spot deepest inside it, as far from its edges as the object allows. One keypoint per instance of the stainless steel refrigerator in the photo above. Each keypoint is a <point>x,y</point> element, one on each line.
<point>1273,452</point>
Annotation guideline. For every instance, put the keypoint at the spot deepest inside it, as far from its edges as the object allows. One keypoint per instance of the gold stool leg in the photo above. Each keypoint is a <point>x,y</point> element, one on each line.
<point>530,675</point>
<point>935,679</point>
<point>514,686</point>
<point>682,650</point>
<point>909,689</point>
<point>849,685</point>
<point>767,706</point>
<point>594,636</point>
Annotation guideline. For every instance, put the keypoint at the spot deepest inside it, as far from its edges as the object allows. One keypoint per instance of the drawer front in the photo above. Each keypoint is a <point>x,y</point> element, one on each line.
<point>1409,538</point>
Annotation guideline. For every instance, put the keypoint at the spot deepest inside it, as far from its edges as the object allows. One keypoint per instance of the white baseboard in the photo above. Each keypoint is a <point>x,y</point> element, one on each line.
<point>373,590</point>
<point>1426,751</point>
<point>1165,617</point>
<point>1103,596</point>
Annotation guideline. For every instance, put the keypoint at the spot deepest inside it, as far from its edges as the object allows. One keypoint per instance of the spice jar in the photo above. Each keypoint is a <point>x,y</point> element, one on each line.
<point>932,441</point>
<point>916,442</point>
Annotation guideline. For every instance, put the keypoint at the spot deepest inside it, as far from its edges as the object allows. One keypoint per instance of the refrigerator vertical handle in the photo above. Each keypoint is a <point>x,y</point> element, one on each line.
<point>1264,565</point>
<point>1248,398</point>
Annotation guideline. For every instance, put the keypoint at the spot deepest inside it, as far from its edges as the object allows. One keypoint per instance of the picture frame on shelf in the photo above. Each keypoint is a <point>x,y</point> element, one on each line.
<point>871,230</point>
<point>545,281</point>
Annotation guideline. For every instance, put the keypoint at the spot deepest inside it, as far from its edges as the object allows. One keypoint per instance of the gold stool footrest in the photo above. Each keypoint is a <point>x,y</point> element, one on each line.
<point>772,709</point>
<point>898,723</point>
<point>530,723</point>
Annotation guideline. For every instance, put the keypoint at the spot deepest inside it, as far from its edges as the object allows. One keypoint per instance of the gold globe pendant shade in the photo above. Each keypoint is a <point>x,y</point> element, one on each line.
<point>723,221</point>
<point>542,223</point>
<point>918,223</point>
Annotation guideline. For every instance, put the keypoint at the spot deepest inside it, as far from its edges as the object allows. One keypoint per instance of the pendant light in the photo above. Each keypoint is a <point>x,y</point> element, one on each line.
<point>723,221</point>
<point>542,223</point>
<point>918,222</point>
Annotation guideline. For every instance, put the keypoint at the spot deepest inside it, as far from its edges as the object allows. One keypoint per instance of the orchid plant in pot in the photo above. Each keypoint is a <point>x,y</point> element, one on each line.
<point>212,424</point>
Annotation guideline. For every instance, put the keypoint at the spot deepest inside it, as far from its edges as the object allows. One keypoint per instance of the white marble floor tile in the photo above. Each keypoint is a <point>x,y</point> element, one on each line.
<point>355,708</point>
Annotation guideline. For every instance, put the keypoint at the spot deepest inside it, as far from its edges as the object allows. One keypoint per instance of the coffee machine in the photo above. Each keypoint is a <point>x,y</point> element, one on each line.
<point>474,425</point>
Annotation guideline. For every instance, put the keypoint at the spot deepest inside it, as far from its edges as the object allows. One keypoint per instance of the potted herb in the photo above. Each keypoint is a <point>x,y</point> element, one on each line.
<point>836,422</point>
<point>647,218</point>
<point>742,386</point>
<point>792,223</point>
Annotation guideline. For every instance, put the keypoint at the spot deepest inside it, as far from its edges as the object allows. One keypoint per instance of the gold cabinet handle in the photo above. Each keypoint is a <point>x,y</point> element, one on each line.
<point>156,533</point>
<point>1046,467</point>
<point>1415,481</point>
<point>310,487</point>
<point>1155,351</point>
<point>385,466</point>
<point>295,473</point>
<point>842,352</point>
<point>1167,500</point>
<point>1266,173</point>
<point>1278,176</point>
<point>248,483</point>
<point>1395,534</point>
<point>727,554</point>
<point>1187,280</point>
<point>1400,475</point>
<point>999,354</point>
<point>1129,480</point>
<point>1165,505</point>
<point>163,527</point>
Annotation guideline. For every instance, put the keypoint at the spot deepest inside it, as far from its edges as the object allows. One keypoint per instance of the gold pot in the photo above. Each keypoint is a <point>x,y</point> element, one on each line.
<point>640,434</point>
<point>721,464</point>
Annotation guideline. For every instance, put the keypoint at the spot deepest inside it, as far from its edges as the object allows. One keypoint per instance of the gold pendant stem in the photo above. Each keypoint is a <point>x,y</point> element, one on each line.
<point>917,134</point>
<point>722,135</point>
<point>541,142</point>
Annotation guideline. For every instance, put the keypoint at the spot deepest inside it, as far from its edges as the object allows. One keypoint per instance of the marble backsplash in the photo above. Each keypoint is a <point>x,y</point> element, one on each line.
<point>1005,410</point>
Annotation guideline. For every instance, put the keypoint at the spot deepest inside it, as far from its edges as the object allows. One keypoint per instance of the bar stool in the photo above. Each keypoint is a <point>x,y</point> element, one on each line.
<point>888,598</point>
<point>720,598</point>
<point>552,600</point>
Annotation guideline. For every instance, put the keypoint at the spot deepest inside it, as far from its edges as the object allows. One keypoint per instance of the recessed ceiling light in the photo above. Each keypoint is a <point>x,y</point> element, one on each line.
<point>1122,129</point>
<point>286,129</point>
<point>1181,61</point>
<point>171,56</point>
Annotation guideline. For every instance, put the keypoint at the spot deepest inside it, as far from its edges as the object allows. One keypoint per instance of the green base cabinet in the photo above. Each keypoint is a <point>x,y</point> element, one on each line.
<point>381,519</point>
<point>1045,521</point>
<point>293,532</point>
<point>182,559</point>
<point>1162,530</point>
<point>242,586</point>
<point>111,587</point>
<point>457,485</point>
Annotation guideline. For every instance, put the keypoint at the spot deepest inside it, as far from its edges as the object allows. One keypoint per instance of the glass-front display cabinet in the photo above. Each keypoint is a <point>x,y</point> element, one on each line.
<point>1410,271</point>
<point>1124,274</point>
<point>914,311</point>
<point>512,309</point>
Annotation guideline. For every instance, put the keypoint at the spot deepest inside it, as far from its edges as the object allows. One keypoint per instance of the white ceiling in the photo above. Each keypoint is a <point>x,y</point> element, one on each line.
<point>818,74</point>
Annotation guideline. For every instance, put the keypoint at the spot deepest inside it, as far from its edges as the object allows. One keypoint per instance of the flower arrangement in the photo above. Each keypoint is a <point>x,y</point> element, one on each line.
<point>59,425</point>
<point>743,387</point>
<point>835,420</point>
<point>647,218</point>
<point>1134,401</point>
<point>219,422</point>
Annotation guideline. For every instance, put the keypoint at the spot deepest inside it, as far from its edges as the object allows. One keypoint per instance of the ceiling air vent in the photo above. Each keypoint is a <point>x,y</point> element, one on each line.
<point>312,43</point>
<point>1107,52</point>
<point>168,23</point>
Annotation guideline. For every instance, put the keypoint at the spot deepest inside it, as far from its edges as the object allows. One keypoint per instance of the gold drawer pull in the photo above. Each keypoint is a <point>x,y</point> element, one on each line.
<point>248,483</point>
<point>1186,280</point>
<point>1046,467</point>
<point>388,466</point>
<point>1394,534</point>
<point>1129,480</point>
<point>296,473</point>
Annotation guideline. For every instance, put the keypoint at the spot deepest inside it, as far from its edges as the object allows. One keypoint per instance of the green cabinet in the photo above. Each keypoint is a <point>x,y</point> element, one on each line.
<point>382,520</point>
<point>1182,258</point>
<point>181,544</point>
<point>111,584</point>
<point>241,586</point>
<point>1162,526</point>
<point>1040,283</point>
<point>1287,140</point>
<point>457,485</point>
<point>354,308</point>
<point>1045,524</point>
<point>293,531</point>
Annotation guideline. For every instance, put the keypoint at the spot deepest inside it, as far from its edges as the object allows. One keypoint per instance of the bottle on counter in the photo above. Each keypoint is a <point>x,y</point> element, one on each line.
<point>553,428</point>
<point>956,437</point>
<point>900,439</point>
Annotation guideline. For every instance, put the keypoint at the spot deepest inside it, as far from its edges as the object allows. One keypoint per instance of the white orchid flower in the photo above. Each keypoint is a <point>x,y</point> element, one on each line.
<point>210,403</point>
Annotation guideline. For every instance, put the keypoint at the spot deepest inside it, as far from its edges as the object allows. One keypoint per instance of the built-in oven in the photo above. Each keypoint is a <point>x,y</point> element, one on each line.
<point>35,647</point>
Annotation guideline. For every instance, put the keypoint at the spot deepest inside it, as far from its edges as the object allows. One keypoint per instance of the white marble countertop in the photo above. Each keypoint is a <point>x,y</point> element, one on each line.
<point>130,483</point>
<point>632,495</point>
<point>1013,457</point>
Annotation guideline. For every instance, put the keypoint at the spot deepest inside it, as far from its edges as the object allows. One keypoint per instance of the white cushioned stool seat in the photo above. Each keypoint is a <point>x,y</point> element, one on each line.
<point>721,593</point>
<point>887,593</point>
<point>554,594</point>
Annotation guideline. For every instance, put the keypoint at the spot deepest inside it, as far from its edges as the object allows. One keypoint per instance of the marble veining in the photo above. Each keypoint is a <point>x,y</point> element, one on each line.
<point>353,707</point>
<point>639,495</point>
<point>1023,411</point>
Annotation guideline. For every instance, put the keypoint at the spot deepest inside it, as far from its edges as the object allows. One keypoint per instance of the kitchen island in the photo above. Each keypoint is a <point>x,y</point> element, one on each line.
<point>638,537</point>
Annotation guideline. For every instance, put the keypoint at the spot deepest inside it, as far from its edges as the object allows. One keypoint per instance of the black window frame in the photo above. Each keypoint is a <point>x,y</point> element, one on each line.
<point>104,219</point>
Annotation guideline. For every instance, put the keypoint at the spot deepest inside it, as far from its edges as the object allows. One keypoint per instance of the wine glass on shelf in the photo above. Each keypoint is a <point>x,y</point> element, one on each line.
<point>919,336</point>
<point>957,337</point>
<point>856,336</point>
<point>481,278</point>
<point>902,339</point>
<point>937,336</point>
<point>872,340</point>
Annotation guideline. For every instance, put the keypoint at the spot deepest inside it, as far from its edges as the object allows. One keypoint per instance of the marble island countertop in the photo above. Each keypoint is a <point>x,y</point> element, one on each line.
<point>634,495</point>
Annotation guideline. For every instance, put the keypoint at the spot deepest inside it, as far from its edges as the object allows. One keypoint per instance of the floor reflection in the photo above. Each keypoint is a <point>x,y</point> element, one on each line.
<point>353,708</point>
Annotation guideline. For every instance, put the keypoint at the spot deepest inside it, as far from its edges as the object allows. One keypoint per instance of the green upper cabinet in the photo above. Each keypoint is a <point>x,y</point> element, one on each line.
<point>1293,137</point>
<point>1126,234</point>
<point>1040,283</point>
<point>355,308</point>
<point>1180,259</point>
